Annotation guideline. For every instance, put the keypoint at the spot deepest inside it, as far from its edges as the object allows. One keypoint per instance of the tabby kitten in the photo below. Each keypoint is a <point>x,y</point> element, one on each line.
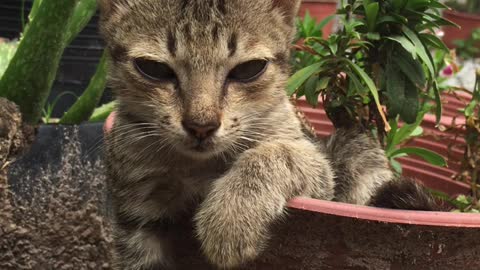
<point>203,123</point>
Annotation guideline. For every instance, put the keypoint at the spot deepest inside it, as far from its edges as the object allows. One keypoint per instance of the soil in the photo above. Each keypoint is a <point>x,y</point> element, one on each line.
<point>52,224</point>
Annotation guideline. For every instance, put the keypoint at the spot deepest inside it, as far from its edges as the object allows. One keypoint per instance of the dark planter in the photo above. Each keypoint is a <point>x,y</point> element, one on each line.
<point>316,234</point>
<point>71,150</point>
<point>320,9</point>
<point>467,22</point>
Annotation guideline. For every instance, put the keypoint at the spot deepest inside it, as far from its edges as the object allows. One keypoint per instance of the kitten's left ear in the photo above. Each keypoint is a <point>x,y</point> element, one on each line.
<point>289,8</point>
<point>107,6</point>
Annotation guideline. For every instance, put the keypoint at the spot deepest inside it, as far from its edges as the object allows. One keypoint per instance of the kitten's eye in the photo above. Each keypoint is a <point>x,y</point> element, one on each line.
<point>154,70</point>
<point>248,71</point>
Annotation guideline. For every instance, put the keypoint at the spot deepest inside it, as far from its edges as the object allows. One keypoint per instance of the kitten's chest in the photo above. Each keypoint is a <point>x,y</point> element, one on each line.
<point>190,180</point>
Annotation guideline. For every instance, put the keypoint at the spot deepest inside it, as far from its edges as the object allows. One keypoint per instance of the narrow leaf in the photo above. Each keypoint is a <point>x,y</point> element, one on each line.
<point>302,75</point>
<point>429,156</point>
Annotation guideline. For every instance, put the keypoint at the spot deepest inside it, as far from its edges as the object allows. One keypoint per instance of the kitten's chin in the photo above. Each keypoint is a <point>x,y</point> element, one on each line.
<point>200,151</point>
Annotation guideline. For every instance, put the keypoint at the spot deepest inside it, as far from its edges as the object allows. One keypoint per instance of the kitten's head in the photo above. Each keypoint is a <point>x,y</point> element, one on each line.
<point>206,73</point>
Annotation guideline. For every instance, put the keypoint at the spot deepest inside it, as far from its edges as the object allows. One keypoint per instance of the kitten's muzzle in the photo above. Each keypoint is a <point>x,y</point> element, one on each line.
<point>199,131</point>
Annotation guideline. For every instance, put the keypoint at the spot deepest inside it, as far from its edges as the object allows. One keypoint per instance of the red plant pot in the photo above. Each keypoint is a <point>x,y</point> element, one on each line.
<point>467,22</point>
<point>320,10</point>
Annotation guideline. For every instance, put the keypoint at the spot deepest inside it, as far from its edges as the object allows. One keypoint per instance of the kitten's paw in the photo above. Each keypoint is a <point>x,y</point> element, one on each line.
<point>229,238</point>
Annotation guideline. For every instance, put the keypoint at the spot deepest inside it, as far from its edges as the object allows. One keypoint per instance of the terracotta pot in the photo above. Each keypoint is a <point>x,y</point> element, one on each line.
<point>320,10</point>
<point>467,22</point>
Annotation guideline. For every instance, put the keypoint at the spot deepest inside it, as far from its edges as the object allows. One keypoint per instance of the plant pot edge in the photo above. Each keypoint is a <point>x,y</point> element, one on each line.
<point>392,216</point>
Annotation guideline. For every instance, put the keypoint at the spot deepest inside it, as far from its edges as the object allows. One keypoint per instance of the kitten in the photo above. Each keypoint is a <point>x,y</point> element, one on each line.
<point>203,124</point>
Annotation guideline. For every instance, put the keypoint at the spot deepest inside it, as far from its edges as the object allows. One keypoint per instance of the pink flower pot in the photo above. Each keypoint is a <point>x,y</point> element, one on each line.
<point>467,22</point>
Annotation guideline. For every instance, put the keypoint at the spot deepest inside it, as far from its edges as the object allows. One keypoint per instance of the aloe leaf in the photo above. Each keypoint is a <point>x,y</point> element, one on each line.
<point>84,10</point>
<point>101,113</point>
<point>30,74</point>
<point>85,105</point>
<point>7,51</point>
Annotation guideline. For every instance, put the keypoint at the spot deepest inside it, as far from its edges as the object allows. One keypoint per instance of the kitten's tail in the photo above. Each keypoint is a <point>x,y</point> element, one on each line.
<point>404,193</point>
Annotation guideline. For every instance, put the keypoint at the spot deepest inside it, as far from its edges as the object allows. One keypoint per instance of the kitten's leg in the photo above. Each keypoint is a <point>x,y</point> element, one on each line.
<point>360,165</point>
<point>233,222</point>
<point>140,249</point>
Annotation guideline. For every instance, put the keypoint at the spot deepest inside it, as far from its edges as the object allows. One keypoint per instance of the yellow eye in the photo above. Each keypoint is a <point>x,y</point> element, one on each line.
<point>248,71</point>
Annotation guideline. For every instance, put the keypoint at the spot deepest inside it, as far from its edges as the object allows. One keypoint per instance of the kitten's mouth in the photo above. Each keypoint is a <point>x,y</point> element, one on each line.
<point>202,146</point>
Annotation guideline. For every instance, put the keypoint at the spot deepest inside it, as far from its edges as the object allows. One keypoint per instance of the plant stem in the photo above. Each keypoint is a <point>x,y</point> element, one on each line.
<point>30,75</point>
<point>85,105</point>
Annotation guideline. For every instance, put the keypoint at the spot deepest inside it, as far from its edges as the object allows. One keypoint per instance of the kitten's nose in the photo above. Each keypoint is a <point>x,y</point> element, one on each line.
<point>200,131</point>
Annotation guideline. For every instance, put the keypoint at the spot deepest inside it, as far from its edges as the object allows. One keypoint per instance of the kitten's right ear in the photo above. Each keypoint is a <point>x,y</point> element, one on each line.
<point>289,8</point>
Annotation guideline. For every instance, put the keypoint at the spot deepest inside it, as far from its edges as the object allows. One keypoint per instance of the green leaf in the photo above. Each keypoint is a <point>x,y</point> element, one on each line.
<point>402,94</point>
<point>395,89</point>
<point>311,92</point>
<point>7,51</point>
<point>429,156</point>
<point>358,88</point>
<point>101,113</point>
<point>470,109</point>
<point>84,10</point>
<point>407,131</point>
<point>373,36</point>
<point>411,103</point>
<point>388,19</point>
<point>398,5</point>
<point>434,41</point>
<point>420,49</point>
<point>371,12</point>
<point>406,44</point>
<point>85,105</point>
<point>440,20</point>
<point>371,86</point>
<point>417,4</point>
<point>397,167</point>
<point>438,103</point>
<point>409,66</point>
<point>302,75</point>
<point>324,22</point>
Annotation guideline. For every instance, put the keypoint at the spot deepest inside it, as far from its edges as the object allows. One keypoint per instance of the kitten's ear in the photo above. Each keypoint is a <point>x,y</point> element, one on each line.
<point>106,6</point>
<point>289,8</point>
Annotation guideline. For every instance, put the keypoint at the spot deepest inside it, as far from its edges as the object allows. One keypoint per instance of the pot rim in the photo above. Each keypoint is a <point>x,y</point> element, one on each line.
<point>422,218</point>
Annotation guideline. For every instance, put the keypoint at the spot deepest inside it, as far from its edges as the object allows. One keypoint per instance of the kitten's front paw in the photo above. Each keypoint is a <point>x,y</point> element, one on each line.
<point>229,238</point>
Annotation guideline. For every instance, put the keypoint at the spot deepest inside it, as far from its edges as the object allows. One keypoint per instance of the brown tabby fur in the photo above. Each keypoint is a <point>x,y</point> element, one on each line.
<point>237,182</point>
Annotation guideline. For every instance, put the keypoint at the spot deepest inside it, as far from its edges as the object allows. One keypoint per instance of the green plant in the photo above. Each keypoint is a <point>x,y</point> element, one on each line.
<point>469,48</point>
<point>49,107</point>
<point>7,51</point>
<point>29,76</point>
<point>379,59</point>
<point>470,171</point>
<point>469,6</point>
